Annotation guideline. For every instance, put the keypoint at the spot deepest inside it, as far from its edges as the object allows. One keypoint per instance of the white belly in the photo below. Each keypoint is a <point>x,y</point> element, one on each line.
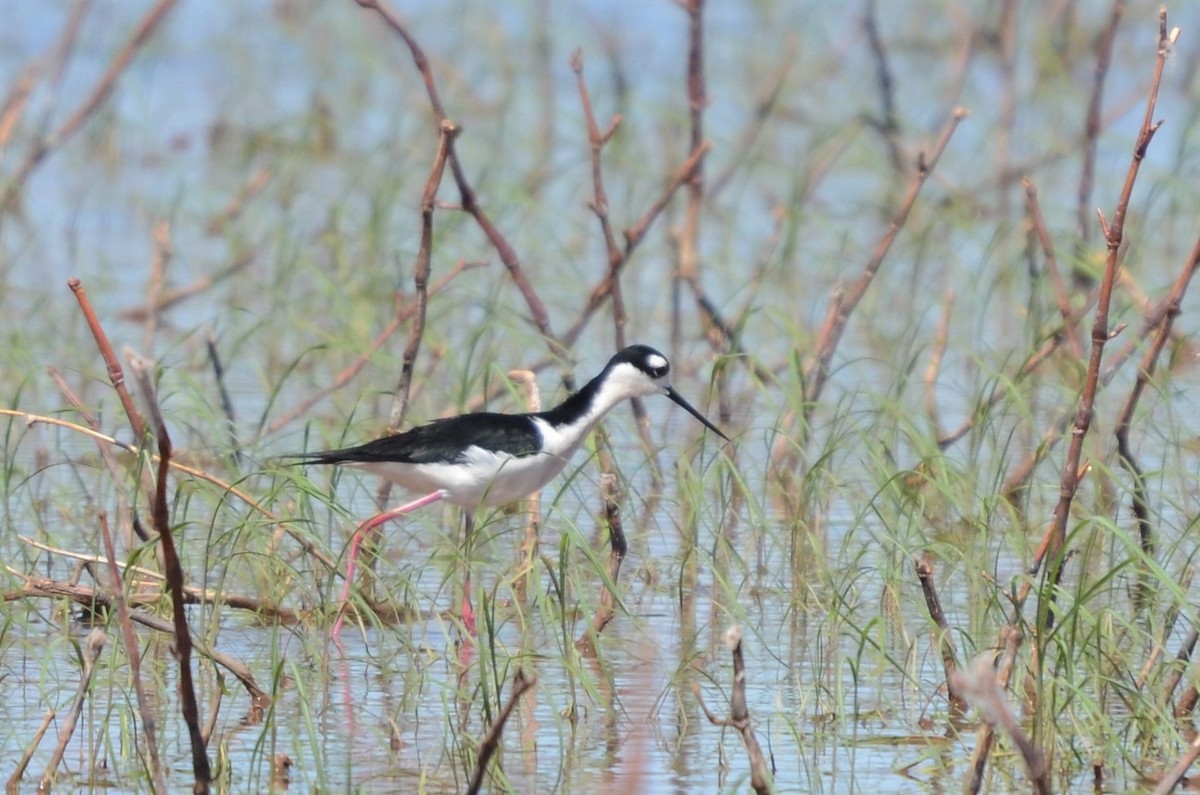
<point>485,479</point>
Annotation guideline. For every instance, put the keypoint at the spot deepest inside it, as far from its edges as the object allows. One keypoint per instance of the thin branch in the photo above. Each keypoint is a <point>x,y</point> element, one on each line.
<point>133,652</point>
<point>115,374</point>
<point>1011,638</point>
<point>174,571</point>
<point>841,307</point>
<point>1113,235</point>
<point>92,598</point>
<point>487,748</point>
<point>416,332</point>
<point>924,569</point>
<point>739,714</point>
<point>169,298</point>
<point>91,652</point>
<point>468,199</point>
<point>100,92</point>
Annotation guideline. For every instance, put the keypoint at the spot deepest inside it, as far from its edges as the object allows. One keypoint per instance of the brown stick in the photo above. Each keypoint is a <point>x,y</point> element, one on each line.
<point>133,652</point>
<point>158,274</point>
<point>174,572</point>
<point>106,455</point>
<point>1181,659</point>
<point>1141,509</point>
<point>527,381</point>
<point>214,358</point>
<point>13,785</point>
<point>92,599</point>
<point>1113,235</point>
<point>978,683</point>
<point>610,495</point>
<point>448,131</point>
<point>238,203</point>
<point>633,236</point>
<point>468,199</point>
<point>616,257</point>
<point>169,298</point>
<point>739,715</point>
<point>924,567</point>
<point>487,748</point>
<point>937,353</point>
<point>816,371</point>
<point>404,311</point>
<point>115,374</point>
<point>1176,774</point>
<point>91,652</point>
<point>1011,637</point>
<point>887,125</point>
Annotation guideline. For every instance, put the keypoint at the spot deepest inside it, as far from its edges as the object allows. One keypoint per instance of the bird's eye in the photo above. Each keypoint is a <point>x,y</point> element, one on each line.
<point>659,372</point>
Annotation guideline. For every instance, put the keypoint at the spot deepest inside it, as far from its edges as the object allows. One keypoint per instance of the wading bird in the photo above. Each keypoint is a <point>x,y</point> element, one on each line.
<point>487,459</point>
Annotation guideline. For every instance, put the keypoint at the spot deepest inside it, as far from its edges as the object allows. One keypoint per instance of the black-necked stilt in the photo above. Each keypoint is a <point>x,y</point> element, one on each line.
<point>486,460</point>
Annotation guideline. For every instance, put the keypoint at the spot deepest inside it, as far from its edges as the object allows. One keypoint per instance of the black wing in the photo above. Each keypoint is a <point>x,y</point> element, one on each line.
<point>443,441</point>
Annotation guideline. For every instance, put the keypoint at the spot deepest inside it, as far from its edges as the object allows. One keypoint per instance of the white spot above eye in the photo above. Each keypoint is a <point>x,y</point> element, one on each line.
<point>655,362</point>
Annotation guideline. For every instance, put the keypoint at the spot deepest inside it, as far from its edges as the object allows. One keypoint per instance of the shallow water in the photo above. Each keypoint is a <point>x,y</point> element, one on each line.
<point>843,678</point>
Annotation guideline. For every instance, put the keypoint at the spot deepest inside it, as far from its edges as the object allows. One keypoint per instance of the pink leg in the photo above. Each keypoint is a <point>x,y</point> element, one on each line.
<point>468,612</point>
<point>356,541</point>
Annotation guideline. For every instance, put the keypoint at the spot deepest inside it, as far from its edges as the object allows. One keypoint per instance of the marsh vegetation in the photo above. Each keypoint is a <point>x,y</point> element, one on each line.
<point>928,267</point>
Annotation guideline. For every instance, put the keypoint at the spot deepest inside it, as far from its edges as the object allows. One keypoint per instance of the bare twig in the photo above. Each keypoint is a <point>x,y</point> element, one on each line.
<point>817,369</point>
<point>1006,120</point>
<point>128,526</point>
<point>115,374</point>
<point>978,684</point>
<point>924,568</point>
<point>91,652</point>
<point>93,599</point>
<point>887,125</point>
<point>449,131</point>
<point>634,235</point>
<point>739,714</point>
<point>468,199</point>
<point>133,652</point>
<point>1171,780</point>
<point>1070,320</point>
<point>1113,235</point>
<point>169,298</point>
<point>937,353</point>
<point>174,572</point>
<point>85,111</point>
<point>527,381</point>
<point>158,274</point>
<point>1141,509</point>
<point>214,358</point>
<point>252,188</point>
<point>1011,638</point>
<point>610,494</point>
<point>416,332</point>
<point>487,748</point>
<point>13,785</point>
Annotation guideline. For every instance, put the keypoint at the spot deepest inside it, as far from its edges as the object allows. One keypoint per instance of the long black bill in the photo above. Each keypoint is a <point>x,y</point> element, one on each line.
<point>671,393</point>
